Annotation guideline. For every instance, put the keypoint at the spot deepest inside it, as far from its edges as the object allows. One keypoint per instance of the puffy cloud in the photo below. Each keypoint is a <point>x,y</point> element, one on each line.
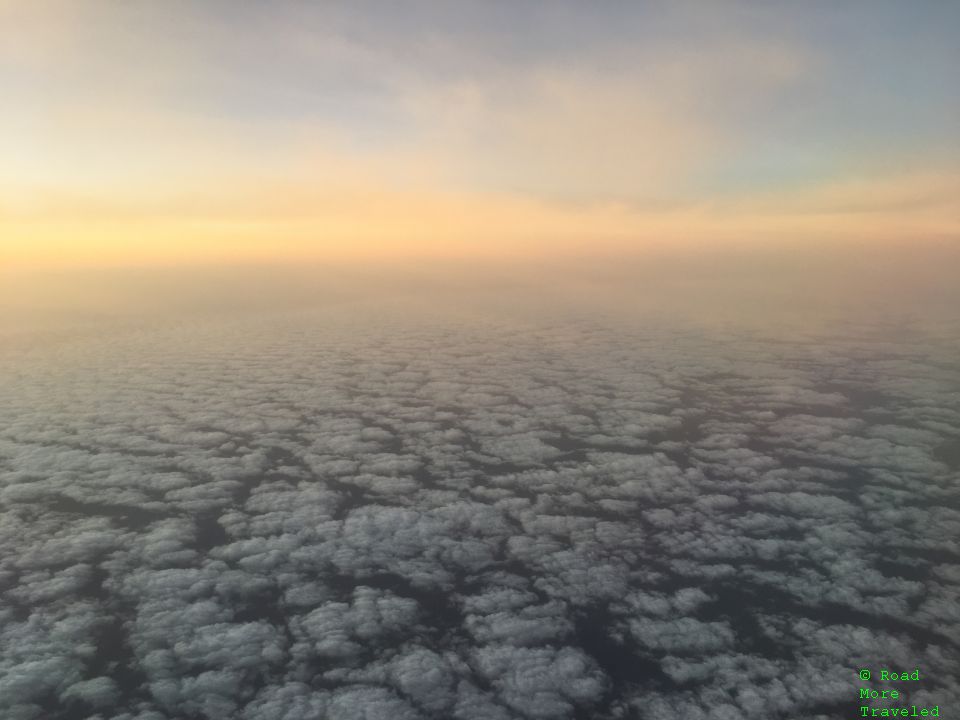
<point>343,630</point>
<point>542,682</point>
<point>101,692</point>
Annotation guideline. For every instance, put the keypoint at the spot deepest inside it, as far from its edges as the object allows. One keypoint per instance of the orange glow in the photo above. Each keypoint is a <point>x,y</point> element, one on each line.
<point>299,223</point>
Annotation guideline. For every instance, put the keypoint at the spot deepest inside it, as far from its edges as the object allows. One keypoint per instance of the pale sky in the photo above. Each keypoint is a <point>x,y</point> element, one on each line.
<point>178,132</point>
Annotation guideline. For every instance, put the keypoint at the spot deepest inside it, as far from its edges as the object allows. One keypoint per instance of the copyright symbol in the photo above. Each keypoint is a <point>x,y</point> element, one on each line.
<point>864,674</point>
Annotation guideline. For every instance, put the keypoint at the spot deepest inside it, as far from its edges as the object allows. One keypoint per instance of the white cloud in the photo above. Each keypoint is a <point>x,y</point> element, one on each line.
<point>399,518</point>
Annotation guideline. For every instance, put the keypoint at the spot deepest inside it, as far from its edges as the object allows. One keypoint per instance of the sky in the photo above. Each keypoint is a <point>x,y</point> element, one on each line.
<point>175,133</point>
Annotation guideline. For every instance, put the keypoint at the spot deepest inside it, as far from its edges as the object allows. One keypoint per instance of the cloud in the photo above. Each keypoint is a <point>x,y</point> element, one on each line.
<point>541,682</point>
<point>307,515</point>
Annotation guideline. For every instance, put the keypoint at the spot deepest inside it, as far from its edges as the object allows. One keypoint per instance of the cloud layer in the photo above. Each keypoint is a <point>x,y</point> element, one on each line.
<point>388,515</point>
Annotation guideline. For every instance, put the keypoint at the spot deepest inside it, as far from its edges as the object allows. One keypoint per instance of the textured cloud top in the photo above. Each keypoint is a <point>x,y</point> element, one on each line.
<point>310,515</point>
